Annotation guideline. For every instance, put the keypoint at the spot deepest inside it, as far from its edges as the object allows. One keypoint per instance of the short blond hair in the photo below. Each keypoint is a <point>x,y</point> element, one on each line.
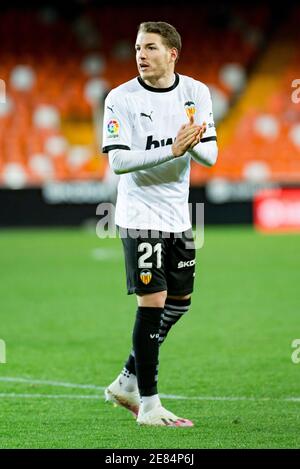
<point>170,36</point>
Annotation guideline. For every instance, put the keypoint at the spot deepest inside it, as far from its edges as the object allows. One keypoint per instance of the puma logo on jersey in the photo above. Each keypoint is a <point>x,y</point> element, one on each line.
<point>154,336</point>
<point>111,108</point>
<point>182,264</point>
<point>156,143</point>
<point>147,115</point>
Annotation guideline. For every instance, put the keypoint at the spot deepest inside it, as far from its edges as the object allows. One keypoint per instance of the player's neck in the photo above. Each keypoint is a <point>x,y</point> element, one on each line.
<point>165,81</point>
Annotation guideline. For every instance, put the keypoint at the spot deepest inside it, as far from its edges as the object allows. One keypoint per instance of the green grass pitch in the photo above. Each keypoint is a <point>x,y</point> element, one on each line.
<point>65,318</point>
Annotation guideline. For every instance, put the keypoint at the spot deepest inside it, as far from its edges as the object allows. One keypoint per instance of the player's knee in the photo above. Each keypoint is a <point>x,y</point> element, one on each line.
<point>180,297</point>
<point>155,300</point>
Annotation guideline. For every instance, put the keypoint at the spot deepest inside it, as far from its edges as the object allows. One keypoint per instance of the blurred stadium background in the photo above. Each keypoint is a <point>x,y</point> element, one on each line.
<point>65,337</point>
<point>59,61</point>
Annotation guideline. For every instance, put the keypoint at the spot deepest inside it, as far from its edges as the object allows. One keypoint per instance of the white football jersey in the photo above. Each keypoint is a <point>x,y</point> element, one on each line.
<point>140,117</point>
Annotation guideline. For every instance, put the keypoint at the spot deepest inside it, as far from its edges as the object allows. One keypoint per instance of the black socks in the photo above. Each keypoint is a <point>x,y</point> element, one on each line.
<point>168,316</point>
<point>130,364</point>
<point>145,345</point>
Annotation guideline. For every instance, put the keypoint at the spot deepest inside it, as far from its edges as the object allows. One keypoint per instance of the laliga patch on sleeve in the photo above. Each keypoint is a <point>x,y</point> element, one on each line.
<point>113,128</point>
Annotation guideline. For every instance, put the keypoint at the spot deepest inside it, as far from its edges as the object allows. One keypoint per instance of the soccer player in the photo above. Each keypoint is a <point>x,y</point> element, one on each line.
<point>153,125</point>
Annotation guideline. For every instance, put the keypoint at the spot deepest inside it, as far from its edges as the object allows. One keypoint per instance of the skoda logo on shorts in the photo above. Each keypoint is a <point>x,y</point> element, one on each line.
<point>146,276</point>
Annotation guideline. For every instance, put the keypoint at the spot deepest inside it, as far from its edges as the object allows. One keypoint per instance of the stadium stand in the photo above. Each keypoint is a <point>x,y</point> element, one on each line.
<point>261,135</point>
<point>58,68</point>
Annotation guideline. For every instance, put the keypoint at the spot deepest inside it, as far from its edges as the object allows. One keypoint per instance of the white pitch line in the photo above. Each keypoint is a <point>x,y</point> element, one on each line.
<point>17,395</point>
<point>8,379</point>
<point>101,388</point>
<point>166,396</point>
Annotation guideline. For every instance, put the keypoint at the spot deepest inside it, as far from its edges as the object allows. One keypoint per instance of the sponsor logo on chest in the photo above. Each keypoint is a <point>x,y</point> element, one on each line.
<point>152,143</point>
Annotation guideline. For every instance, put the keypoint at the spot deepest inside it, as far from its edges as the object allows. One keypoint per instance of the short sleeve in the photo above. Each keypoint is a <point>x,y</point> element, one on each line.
<point>117,128</point>
<point>204,113</point>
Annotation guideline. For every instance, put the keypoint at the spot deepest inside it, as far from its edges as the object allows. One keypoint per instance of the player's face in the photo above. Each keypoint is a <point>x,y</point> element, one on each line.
<point>154,59</point>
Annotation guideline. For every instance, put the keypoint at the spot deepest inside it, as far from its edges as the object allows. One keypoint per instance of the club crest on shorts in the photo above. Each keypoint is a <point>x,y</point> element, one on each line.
<point>190,108</point>
<point>146,276</point>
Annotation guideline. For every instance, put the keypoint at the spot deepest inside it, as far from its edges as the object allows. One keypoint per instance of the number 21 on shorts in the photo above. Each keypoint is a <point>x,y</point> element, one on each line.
<point>148,250</point>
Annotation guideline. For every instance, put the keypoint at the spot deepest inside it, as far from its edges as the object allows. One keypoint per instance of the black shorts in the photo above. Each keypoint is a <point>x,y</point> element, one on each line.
<point>157,261</point>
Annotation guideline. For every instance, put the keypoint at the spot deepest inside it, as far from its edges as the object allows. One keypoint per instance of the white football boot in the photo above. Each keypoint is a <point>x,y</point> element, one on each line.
<point>159,416</point>
<point>116,394</point>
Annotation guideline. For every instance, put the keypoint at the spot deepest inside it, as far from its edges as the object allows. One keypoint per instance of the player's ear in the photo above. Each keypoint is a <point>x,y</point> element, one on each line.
<point>174,54</point>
